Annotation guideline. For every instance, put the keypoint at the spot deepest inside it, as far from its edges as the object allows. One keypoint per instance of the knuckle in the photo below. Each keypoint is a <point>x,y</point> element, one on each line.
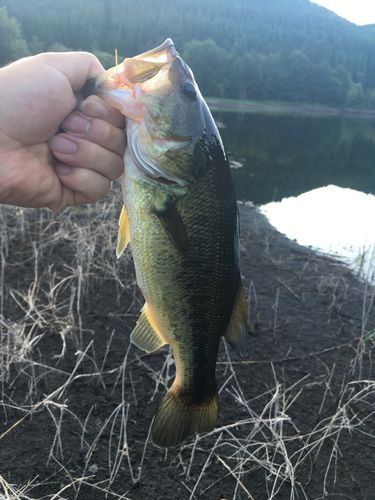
<point>93,154</point>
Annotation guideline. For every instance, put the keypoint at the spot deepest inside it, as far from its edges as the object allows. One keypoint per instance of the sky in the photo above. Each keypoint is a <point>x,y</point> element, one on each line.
<point>356,11</point>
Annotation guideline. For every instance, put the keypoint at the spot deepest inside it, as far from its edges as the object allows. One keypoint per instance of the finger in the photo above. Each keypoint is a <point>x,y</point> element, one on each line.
<point>76,66</point>
<point>77,152</point>
<point>95,130</point>
<point>87,185</point>
<point>95,107</point>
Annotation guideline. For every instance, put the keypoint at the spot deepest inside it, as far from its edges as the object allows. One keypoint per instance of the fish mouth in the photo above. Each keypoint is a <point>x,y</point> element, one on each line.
<point>127,87</point>
<point>142,74</point>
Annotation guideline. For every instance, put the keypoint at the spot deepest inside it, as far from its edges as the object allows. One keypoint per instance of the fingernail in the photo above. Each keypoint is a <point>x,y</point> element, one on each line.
<point>62,145</point>
<point>93,105</point>
<point>62,169</point>
<point>76,124</point>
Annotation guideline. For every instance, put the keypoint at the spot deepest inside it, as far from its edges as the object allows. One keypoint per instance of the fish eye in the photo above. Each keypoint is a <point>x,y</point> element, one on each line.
<point>187,88</point>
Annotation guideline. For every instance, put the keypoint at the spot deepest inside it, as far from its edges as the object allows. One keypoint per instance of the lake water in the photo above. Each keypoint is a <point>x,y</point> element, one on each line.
<point>314,177</point>
<point>283,156</point>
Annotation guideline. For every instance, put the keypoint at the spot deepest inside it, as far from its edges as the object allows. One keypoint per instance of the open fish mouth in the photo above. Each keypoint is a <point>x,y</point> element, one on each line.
<point>130,87</point>
<point>139,69</point>
<point>146,73</point>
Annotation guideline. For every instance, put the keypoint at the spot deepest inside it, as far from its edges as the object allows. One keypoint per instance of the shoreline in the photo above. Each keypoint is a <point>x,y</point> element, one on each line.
<point>297,109</point>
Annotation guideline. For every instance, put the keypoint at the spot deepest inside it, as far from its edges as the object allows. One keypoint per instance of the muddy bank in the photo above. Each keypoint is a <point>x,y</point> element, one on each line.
<point>295,414</point>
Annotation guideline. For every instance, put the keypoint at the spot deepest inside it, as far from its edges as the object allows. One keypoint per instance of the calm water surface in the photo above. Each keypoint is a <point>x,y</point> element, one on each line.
<point>277,157</point>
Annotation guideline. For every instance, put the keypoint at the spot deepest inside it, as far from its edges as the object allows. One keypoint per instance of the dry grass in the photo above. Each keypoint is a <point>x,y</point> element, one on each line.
<point>266,438</point>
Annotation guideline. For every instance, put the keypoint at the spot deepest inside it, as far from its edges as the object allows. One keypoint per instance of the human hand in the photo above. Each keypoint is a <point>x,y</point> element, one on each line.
<point>39,168</point>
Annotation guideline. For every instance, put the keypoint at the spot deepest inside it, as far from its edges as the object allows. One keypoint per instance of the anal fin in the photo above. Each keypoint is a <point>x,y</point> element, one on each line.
<point>123,236</point>
<point>146,334</point>
<point>236,331</point>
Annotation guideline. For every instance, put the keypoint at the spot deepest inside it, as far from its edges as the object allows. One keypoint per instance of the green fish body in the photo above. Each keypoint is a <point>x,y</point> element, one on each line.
<point>180,216</point>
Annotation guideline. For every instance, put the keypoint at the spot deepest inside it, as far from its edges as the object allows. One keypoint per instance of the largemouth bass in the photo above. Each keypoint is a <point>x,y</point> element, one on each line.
<point>180,216</point>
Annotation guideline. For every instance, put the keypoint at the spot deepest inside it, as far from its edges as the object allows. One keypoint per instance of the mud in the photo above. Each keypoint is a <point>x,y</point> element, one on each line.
<point>295,415</point>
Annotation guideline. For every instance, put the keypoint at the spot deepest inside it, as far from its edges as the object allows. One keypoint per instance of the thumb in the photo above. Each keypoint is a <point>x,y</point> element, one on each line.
<point>76,66</point>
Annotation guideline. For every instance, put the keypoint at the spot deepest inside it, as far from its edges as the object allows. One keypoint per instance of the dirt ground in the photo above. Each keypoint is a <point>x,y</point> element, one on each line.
<point>296,416</point>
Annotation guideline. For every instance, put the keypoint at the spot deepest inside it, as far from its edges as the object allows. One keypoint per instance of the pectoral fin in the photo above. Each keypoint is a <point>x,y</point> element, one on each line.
<point>236,332</point>
<point>146,334</point>
<point>123,233</point>
<point>173,225</point>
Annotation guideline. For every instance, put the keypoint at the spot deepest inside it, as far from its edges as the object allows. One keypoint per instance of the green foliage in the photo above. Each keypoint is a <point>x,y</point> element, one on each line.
<point>36,46</point>
<point>203,55</point>
<point>107,60</point>
<point>58,47</point>
<point>371,336</point>
<point>12,45</point>
<point>255,49</point>
<point>354,94</point>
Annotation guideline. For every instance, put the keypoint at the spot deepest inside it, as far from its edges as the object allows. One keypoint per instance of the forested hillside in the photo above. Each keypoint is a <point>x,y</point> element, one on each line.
<point>291,50</point>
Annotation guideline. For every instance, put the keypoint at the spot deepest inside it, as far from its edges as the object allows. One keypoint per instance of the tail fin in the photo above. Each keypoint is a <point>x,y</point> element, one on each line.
<point>177,419</point>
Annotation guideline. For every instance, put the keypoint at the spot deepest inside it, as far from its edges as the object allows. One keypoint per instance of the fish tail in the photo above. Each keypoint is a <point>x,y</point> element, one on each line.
<point>179,417</point>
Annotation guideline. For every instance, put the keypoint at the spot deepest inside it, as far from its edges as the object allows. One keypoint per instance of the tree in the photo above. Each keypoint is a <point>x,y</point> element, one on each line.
<point>12,44</point>
<point>36,46</point>
<point>248,79</point>
<point>291,50</point>
<point>58,47</point>
<point>355,94</point>
<point>108,60</point>
<point>211,65</point>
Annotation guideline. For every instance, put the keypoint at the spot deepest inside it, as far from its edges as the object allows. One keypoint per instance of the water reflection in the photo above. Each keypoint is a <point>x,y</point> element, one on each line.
<point>284,156</point>
<point>334,220</point>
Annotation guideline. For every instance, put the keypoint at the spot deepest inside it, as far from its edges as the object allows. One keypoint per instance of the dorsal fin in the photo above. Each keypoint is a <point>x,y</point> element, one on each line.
<point>236,331</point>
<point>123,233</point>
<point>146,334</point>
